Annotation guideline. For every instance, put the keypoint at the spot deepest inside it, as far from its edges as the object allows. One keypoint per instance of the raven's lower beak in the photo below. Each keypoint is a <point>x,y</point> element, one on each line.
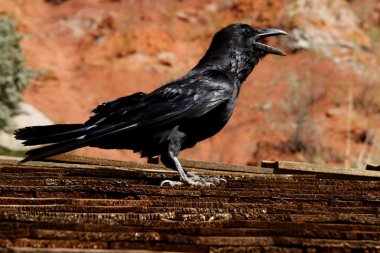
<point>264,33</point>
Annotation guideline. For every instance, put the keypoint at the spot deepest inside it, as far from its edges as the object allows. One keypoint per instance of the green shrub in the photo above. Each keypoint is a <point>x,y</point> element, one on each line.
<point>13,75</point>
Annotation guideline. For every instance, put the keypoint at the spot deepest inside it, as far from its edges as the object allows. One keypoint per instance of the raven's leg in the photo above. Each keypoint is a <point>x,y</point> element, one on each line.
<point>189,178</point>
<point>170,160</point>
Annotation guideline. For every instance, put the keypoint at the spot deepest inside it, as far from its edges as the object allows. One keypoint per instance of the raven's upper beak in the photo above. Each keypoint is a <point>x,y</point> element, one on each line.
<point>263,33</point>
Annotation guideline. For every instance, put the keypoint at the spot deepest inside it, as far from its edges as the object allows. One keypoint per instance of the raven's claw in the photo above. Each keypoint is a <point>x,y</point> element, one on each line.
<point>171,183</point>
<point>193,179</point>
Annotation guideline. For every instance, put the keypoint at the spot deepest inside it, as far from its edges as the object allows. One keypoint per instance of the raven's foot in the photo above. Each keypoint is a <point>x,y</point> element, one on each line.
<point>188,178</point>
<point>213,180</point>
<point>193,179</point>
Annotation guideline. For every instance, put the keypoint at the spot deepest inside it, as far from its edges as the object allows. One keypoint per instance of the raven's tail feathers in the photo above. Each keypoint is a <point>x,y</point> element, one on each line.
<point>37,135</point>
<point>53,149</point>
<point>66,137</point>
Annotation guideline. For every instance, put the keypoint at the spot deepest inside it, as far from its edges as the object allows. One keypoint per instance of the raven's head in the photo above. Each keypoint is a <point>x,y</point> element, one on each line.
<point>237,48</point>
<point>244,37</point>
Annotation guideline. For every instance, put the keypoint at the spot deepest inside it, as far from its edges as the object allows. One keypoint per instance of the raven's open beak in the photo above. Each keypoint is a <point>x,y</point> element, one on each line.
<point>264,33</point>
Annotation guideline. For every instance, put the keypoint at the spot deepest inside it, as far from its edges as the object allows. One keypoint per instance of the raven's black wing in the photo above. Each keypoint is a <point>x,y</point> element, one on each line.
<point>117,106</point>
<point>191,96</point>
<point>188,97</point>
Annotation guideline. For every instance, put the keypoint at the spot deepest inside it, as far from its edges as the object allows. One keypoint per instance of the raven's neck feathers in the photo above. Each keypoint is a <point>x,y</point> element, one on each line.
<point>236,64</point>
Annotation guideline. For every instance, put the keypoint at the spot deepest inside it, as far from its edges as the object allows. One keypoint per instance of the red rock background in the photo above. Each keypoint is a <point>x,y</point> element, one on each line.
<point>308,106</point>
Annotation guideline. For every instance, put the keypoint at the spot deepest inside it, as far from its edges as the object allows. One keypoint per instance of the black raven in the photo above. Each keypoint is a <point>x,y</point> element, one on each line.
<point>171,118</point>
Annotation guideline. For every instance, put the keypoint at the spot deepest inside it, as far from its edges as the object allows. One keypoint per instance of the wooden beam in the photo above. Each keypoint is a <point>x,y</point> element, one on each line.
<point>286,167</point>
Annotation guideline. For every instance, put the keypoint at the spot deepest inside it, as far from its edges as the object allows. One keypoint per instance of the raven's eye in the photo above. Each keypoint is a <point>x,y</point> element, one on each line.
<point>247,32</point>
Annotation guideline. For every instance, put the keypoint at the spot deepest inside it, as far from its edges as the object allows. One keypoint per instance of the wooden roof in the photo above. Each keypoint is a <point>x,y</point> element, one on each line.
<point>110,206</point>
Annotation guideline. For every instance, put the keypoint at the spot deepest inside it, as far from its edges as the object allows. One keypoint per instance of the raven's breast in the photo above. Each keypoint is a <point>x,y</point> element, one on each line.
<point>207,125</point>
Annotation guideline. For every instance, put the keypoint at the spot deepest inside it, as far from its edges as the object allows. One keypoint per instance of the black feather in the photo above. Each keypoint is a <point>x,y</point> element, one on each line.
<point>48,134</point>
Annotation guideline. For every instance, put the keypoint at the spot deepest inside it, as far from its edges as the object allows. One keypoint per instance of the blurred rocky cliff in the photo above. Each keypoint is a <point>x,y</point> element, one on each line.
<point>321,103</point>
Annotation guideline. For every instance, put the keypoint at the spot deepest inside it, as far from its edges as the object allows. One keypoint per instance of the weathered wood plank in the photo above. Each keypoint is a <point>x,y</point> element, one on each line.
<point>113,206</point>
<point>71,250</point>
<point>289,167</point>
<point>153,163</point>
